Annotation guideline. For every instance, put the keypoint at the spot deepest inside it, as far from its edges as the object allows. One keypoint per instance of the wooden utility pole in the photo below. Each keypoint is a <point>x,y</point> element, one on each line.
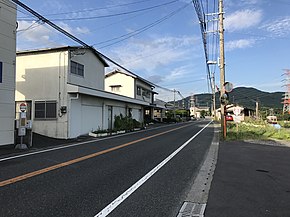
<point>174,109</point>
<point>222,67</point>
<point>213,97</point>
<point>257,110</point>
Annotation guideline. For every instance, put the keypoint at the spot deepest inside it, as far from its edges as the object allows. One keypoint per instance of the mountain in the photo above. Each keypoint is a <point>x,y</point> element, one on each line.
<point>243,96</point>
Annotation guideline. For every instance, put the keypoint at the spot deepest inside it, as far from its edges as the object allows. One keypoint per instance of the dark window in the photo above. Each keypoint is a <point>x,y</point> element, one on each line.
<point>1,69</point>
<point>45,110</point>
<point>139,91</point>
<point>77,68</point>
<point>146,93</point>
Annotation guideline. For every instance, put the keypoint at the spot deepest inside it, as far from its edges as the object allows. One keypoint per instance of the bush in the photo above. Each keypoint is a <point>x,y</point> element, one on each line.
<point>125,123</point>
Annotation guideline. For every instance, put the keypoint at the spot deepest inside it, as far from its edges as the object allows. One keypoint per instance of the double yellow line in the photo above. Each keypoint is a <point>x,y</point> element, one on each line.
<point>70,162</point>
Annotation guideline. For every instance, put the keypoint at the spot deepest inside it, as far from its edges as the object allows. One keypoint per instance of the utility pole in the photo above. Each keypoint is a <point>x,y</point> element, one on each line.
<point>213,97</point>
<point>174,111</point>
<point>222,68</point>
<point>257,110</point>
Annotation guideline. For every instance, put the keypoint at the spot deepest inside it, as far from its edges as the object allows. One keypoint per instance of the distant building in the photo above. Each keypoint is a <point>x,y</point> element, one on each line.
<point>160,110</point>
<point>196,111</point>
<point>7,70</point>
<point>64,90</point>
<point>133,86</point>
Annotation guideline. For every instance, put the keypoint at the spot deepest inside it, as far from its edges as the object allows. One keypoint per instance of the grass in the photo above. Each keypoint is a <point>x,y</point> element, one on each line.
<point>253,130</point>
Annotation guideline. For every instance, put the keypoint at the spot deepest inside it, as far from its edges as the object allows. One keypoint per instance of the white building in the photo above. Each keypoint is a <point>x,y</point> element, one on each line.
<point>64,90</point>
<point>127,84</point>
<point>196,111</point>
<point>7,70</point>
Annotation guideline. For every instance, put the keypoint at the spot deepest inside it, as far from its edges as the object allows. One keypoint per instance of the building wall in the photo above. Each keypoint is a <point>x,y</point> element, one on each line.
<point>144,87</point>
<point>42,77</point>
<point>94,71</point>
<point>127,87</point>
<point>89,113</point>
<point>7,71</point>
<point>85,115</point>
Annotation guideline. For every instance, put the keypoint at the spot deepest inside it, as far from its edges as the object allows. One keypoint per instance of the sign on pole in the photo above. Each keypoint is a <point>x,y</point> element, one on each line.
<point>23,107</point>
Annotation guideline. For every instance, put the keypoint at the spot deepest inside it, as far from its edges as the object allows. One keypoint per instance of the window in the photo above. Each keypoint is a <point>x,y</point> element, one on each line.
<point>115,88</point>
<point>139,91</point>
<point>146,93</point>
<point>45,110</point>
<point>77,68</point>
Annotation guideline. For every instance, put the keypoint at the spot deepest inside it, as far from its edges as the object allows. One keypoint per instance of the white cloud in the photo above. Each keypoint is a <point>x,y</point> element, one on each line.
<point>242,19</point>
<point>239,44</point>
<point>74,30</point>
<point>33,32</point>
<point>33,35</point>
<point>147,55</point>
<point>279,27</point>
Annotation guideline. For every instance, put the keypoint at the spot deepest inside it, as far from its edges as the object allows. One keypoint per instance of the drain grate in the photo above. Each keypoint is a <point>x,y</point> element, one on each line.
<point>190,209</point>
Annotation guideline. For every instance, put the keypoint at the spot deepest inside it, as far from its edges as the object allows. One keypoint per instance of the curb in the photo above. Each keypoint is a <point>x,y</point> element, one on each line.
<point>195,203</point>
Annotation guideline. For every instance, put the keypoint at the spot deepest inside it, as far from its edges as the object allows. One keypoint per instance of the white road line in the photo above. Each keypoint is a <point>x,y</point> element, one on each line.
<point>114,204</point>
<point>73,145</point>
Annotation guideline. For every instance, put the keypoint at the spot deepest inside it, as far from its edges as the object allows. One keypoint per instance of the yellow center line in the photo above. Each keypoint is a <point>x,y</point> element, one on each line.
<point>70,162</point>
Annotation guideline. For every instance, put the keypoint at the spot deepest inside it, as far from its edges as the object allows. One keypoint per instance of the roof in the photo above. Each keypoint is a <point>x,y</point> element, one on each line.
<point>118,71</point>
<point>72,88</point>
<point>63,48</point>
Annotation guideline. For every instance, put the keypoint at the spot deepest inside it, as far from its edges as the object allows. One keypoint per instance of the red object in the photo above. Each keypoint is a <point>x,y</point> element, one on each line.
<point>229,118</point>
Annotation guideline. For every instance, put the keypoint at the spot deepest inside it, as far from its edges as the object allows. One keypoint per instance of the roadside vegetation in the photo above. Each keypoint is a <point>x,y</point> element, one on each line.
<point>258,130</point>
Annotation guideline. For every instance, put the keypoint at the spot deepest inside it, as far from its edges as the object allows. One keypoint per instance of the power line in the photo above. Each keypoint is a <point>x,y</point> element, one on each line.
<point>93,9</point>
<point>113,15</point>
<point>140,30</point>
<point>201,17</point>
<point>85,45</point>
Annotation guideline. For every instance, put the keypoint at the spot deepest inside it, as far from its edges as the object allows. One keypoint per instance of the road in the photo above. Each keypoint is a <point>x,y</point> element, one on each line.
<point>145,173</point>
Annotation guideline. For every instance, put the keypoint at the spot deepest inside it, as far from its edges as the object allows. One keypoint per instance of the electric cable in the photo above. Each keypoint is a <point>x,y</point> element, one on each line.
<point>112,15</point>
<point>143,29</point>
<point>92,9</point>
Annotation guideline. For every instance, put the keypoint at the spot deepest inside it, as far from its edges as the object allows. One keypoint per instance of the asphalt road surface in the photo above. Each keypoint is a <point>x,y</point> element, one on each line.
<point>146,173</point>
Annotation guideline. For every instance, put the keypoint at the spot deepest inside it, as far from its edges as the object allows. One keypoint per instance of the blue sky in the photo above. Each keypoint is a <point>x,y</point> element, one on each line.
<point>168,51</point>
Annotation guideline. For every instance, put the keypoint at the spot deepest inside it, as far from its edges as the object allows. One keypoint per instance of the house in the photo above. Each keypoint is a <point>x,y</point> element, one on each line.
<point>160,110</point>
<point>238,112</point>
<point>64,90</point>
<point>196,111</point>
<point>7,70</point>
<point>133,86</point>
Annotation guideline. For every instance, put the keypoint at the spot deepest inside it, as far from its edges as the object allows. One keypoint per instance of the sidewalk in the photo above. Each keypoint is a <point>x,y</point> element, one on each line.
<point>250,180</point>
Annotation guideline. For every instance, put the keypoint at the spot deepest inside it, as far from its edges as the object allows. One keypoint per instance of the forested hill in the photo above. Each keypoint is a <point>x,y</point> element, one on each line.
<point>243,96</point>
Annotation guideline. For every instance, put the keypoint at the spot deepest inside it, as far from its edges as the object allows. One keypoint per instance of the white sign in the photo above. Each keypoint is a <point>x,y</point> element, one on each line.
<point>237,111</point>
<point>237,119</point>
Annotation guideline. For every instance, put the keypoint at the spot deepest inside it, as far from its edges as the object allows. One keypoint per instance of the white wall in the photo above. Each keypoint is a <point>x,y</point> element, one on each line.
<point>43,76</point>
<point>127,84</point>
<point>94,71</point>
<point>7,57</point>
<point>85,115</point>
<point>88,113</point>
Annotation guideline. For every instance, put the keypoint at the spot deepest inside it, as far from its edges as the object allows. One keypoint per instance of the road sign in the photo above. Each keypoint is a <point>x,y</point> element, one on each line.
<point>228,87</point>
<point>237,111</point>
<point>23,107</point>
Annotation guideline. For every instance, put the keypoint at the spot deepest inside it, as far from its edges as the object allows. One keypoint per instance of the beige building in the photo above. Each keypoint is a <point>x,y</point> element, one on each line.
<point>7,70</point>
<point>64,90</point>
<point>196,111</point>
<point>127,84</point>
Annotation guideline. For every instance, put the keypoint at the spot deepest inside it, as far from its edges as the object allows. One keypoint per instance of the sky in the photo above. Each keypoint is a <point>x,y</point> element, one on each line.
<point>161,41</point>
